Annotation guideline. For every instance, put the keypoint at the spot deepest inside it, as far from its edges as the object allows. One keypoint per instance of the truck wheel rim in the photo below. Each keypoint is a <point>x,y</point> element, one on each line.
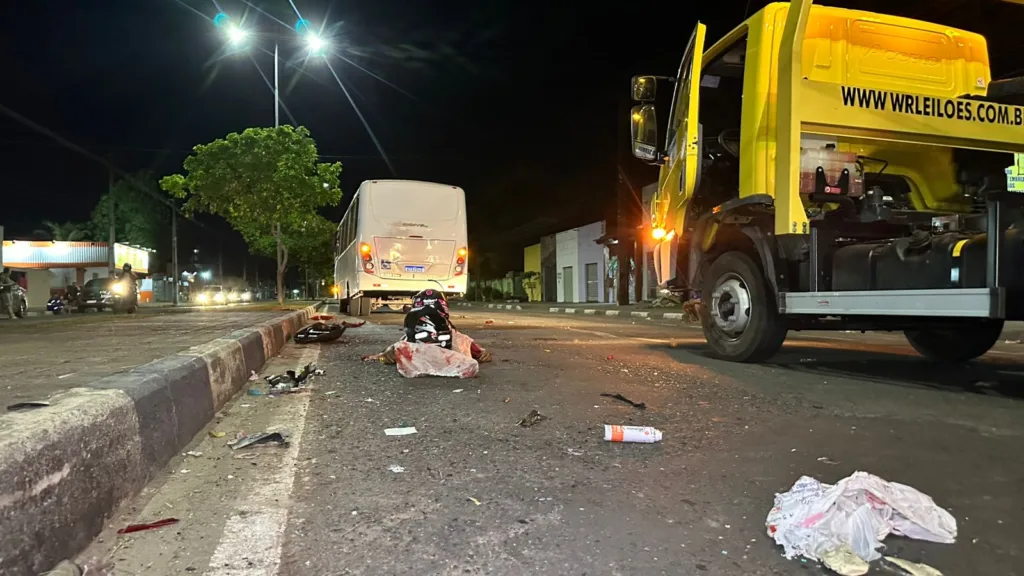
<point>730,305</point>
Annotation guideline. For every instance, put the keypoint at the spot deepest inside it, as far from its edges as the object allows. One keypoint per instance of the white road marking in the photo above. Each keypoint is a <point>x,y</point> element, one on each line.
<point>253,537</point>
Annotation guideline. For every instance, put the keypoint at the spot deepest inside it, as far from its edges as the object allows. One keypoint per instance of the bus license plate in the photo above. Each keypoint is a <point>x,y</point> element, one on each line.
<point>415,268</point>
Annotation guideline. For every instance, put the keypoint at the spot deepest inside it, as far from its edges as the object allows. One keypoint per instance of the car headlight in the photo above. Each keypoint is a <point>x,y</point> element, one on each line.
<point>246,296</point>
<point>219,297</point>
<point>118,288</point>
<point>202,298</point>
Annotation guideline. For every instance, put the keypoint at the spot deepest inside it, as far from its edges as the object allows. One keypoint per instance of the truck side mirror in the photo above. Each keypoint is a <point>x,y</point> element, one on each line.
<point>645,88</point>
<point>643,121</point>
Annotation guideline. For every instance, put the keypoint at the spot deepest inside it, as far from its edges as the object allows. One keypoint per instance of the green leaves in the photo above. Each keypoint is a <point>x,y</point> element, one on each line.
<point>258,179</point>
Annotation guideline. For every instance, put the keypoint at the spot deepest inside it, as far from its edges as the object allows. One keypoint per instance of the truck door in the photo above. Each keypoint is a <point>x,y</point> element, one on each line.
<point>678,178</point>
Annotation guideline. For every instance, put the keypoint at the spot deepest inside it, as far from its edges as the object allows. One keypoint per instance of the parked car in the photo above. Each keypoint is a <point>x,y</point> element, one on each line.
<point>19,298</point>
<point>108,294</point>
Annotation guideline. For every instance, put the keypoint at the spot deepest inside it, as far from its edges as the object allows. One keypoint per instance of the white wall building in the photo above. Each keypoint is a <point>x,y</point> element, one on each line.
<point>581,264</point>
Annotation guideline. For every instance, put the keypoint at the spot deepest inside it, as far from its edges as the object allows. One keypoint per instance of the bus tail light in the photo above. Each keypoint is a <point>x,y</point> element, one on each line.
<point>364,249</point>
<point>460,261</point>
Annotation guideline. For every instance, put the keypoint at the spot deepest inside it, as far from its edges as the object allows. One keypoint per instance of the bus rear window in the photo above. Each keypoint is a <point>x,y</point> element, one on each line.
<point>422,205</point>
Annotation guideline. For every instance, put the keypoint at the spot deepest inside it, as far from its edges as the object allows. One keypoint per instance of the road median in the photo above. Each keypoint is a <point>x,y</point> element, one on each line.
<point>65,468</point>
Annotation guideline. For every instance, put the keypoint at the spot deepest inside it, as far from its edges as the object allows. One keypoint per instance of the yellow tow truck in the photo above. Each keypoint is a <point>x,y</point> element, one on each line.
<point>827,168</point>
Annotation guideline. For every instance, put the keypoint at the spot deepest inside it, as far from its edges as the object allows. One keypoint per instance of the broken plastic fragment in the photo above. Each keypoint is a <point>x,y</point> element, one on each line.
<point>400,431</point>
<point>147,526</point>
<point>473,500</point>
<point>914,568</point>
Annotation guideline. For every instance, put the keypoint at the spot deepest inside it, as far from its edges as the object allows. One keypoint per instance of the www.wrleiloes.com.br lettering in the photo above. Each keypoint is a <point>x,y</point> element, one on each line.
<point>932,107</point>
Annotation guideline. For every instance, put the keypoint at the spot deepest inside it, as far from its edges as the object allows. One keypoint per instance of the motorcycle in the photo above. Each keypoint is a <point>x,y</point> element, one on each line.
<point>55,305</point>
<point>125,296</point>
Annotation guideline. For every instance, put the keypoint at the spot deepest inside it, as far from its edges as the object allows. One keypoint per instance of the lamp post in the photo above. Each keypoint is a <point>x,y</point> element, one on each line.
<point>238,37</point>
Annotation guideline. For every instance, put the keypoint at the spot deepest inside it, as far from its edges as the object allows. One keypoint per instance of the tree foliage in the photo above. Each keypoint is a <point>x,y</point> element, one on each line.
<point>261,181</point>
<point>139,219</point>
<point>67,231</point>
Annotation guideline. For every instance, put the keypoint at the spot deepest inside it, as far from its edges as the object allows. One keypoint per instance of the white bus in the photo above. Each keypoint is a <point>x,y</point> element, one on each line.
<point>399,237</point>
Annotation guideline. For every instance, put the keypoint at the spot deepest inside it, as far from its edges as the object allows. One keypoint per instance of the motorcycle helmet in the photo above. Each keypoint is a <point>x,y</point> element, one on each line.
<point>127,267</point>
<point>433,299</point>
<point>427,326</point>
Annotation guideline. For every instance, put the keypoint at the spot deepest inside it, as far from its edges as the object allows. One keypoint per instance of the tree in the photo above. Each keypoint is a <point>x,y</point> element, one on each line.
<point>266,182</point>
<point>314,249</point>
<point>68,231</point>
<point>138,218</point>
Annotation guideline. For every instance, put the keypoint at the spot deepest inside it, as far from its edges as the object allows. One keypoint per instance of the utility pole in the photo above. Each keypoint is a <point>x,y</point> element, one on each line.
<point>245,276</point>
<point>220,263</point>
<point>110,196</point>
<point>176,276</point>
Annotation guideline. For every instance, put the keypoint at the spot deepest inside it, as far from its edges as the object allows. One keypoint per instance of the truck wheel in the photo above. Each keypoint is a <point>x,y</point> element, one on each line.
<point>739,313</point>
<point>956,344</point>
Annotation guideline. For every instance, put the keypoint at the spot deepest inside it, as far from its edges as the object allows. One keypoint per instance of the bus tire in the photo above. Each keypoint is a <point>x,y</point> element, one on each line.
<point>956,345</point>
<point>739,313</point>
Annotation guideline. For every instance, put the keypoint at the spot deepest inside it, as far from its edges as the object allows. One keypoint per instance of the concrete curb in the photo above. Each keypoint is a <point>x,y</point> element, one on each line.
<point>653,315</point>
<point>65,469</point>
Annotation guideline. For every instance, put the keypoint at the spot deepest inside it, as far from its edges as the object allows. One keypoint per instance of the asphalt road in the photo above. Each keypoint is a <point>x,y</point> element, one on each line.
<point>40,356</point>
<point>473,493</point>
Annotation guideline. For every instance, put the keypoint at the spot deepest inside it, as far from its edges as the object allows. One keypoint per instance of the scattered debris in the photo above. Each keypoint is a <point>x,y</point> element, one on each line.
<point>194,453</point>
<point>1004,342</point>
<point>319,332</point>
<point>353,324</point>
<point>913,568</point>
<point>253,376</point>
<point>254,392</point>
<point>457,390</point>
<point>63,376</point>
<point>400,431</point>
<point>827,460</point>
<point>859,511</point>
<point>148,526</point>
<point>94,567</point>
<point>574,452</point>
<point>638,434</point>
<point>318,372</point>
<point>323,317</point>
<point>473,500</point>
<point>330,392</point>
<point>622,398</point>
<point>488,322</point>
<point>532,418</point>
<point>216,434</point>
<point>278,438</point>
<point>610,357</point>
<point>396,468</point>
<point>30,405</point>
<point>507,399</point>
<point>844,561</point>
<point>247,456</point>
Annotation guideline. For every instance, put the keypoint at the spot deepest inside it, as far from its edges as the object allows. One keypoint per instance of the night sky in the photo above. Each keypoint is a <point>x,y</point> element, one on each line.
<point>522,104</point>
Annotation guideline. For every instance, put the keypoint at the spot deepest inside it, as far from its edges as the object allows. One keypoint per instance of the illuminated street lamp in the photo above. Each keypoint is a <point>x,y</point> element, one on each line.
<point>237,36</point>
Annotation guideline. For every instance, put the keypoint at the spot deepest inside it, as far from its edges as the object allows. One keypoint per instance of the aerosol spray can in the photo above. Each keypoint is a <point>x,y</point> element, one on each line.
<point>642,434</point>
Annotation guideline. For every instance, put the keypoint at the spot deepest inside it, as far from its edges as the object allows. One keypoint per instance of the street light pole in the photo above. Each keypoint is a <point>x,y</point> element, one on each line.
<point>277,96</point>
<point>174,254</point>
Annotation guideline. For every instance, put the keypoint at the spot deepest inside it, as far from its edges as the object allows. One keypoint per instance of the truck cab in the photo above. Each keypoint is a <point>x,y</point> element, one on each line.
<point>825,168</point>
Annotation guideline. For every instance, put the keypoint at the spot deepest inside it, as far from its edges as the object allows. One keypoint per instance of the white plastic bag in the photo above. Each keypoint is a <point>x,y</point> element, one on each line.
<point>414,360</point>
<point>813,519</point>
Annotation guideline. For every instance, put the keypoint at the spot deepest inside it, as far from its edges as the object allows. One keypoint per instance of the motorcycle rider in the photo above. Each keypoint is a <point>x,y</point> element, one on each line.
<point>128,277</point>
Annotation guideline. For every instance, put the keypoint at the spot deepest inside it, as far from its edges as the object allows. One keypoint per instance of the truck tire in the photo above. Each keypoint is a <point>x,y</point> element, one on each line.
<point>738,312</point>
<point>956,345</point>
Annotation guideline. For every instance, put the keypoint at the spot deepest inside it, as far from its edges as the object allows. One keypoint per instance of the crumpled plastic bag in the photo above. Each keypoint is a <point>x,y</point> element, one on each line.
<point>812,518</point>
<point>414,360</point>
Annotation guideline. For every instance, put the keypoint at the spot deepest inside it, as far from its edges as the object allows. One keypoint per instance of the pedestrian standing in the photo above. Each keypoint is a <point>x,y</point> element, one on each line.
<point>7,293</point>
